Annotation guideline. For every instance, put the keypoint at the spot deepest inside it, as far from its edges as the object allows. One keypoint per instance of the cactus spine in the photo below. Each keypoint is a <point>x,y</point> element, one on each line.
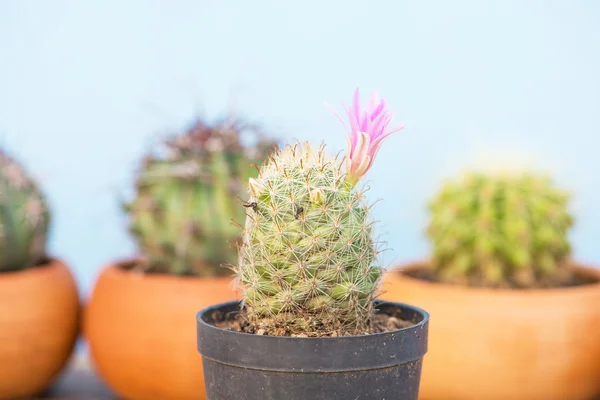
<point>500,231</point>
<point>306,261</point>
<point>24,218</point>
<point>186,201</point>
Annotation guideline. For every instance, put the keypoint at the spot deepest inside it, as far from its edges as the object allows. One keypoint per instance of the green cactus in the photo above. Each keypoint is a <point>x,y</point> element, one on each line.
<point>500,231</point>
<point>24,218</point>
<point>186,201</point>
<point>306,261</point>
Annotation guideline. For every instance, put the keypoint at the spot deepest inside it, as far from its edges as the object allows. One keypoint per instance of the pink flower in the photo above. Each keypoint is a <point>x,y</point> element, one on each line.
<point>368,129</point>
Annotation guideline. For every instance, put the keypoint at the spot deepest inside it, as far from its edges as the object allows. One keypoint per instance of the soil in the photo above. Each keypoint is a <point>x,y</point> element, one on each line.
<point>43,262</point>
<point>238,322</point>
<point>569,280</point>
<point>142,267</point>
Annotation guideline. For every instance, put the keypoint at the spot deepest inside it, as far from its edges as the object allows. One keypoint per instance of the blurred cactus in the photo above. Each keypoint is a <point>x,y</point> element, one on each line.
<point>306,259</point>
<point>500,231</point>
<point>186,200</point>
<point>24,218</point>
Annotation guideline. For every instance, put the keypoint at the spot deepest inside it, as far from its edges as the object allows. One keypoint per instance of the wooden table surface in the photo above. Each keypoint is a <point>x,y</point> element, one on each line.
<point>79,382</point>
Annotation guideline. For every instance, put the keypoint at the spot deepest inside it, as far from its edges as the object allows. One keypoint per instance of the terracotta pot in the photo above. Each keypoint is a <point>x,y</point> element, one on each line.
<point>491,344</point>
<point>39,310</point>
<point>141,330</point>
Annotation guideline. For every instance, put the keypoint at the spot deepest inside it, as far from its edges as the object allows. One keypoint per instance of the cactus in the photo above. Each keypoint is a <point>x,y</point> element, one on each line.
<point>24,218</point>
<point>500,231</point>
<point>186,200</point>
<point>307,261</point>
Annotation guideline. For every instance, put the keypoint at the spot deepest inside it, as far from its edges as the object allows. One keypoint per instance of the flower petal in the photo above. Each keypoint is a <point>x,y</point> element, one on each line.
<point>380,109</point>
<point>373,101</point>
<point>367,130</point>
<point>352,119</point>
<point>378,140</point>
<point>361,148</point>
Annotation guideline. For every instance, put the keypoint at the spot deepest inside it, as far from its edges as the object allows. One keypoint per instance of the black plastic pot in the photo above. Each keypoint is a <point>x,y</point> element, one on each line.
<point>382,366</point>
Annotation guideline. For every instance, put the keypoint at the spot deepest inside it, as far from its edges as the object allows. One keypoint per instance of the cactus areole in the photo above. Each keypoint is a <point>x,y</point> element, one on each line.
<point>501,230</point>
<point>188,200</point>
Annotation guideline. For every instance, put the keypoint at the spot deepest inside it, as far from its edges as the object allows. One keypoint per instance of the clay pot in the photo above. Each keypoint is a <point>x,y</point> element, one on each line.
<point>39,309</point>
<point>491,344</point>
<point>141,330</point>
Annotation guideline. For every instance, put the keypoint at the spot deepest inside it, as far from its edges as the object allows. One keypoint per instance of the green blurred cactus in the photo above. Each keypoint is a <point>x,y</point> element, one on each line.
<point>24,218</point>
<point>499,231</point>
<point>307,254</point>
<point>187,199</point>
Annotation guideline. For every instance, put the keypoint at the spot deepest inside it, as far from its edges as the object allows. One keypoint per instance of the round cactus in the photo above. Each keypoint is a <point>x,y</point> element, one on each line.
<point>186,201</point>
<point>500,231</point>
<point>307,264</point>
<point>24,218</point>
<point>307,248</point>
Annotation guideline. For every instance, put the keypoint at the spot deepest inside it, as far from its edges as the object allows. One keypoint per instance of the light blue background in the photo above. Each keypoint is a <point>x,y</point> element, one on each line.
<point>86,87</point>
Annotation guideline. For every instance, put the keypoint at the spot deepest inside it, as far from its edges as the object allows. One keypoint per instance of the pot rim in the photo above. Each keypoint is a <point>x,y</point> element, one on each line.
<point>314,354</point>
<point>47,262</point>
<point>215,307</point>
<point>400,269</point>
<point>117,269</point>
